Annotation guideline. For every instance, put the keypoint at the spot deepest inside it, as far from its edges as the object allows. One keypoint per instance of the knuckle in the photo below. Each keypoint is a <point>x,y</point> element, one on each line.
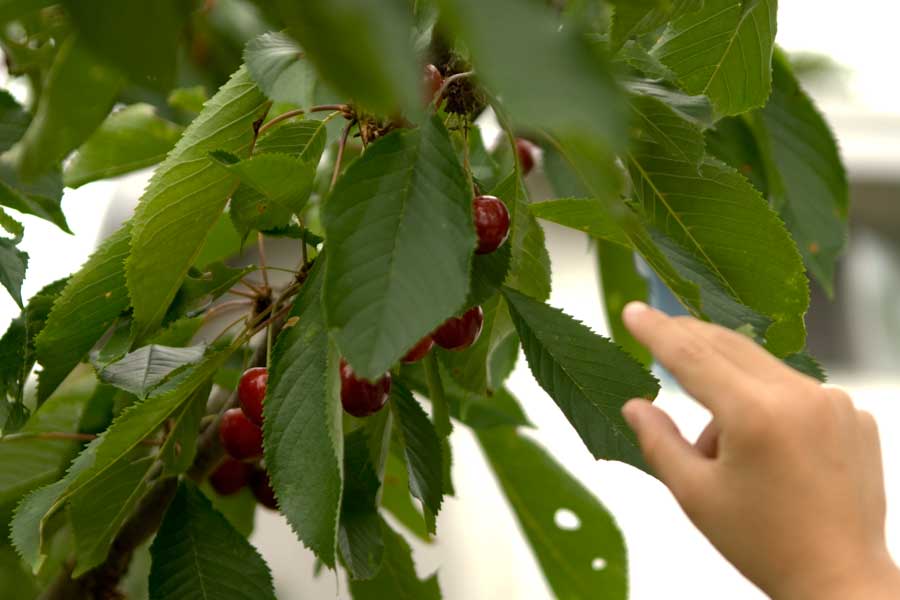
<point>687,350</point>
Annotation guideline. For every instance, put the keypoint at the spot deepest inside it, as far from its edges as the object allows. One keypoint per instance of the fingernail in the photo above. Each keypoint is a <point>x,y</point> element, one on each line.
<point>633,309</point>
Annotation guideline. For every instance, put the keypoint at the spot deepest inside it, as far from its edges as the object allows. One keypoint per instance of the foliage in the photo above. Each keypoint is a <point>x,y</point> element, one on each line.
<point>673,135</point>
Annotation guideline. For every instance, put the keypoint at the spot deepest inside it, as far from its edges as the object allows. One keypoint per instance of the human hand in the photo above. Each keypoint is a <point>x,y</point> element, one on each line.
<point>786,480</point>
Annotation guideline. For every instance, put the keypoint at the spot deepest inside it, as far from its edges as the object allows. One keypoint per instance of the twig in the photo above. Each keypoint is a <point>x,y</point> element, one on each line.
<point>235,292</point>
<point>340,155</point>
<point>448,81</point>
<point>339,108</point>
<point>260,240</point>
<point>224,307</point>
<point>259,291</point>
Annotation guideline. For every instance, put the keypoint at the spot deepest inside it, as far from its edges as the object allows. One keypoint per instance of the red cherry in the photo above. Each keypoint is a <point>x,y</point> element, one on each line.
<point>252,391</point>
<point>491,223</point>
<point>527,153</point>
<point>418,352</point>
<point>432,82</point>
<point>262,488</point>
<point>240,436</point>
<point>362,398</point>
<point>230,476</point>
<point>458,333</point>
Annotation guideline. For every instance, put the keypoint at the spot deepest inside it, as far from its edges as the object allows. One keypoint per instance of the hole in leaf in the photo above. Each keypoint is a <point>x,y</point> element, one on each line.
<point>598,564</point>
<point>567,520</point>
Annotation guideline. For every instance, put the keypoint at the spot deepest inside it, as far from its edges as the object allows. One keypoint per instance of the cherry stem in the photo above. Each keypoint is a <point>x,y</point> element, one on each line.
<point>338,108</point>
<point>448,81</point>
<point>61,435</point>
<point>259,291</point>
<point>225,307</point>
<point>340,155</point>
<point>236,292</point>
<point>260,240</point>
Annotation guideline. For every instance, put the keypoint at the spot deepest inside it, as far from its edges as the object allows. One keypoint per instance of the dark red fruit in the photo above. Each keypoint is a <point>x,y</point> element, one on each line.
<point>241,437</point>
<point>527,153</point>
<point>491,223</point>
<point>432,82</point>
<point>252,391</point>
<point>262,488</point>
<point>230,476</point>
<point>418,352</point>
<point>458,333</point>
<point>362,398</point>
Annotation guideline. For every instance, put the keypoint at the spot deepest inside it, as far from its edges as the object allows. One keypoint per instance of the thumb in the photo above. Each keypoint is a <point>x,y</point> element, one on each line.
<point>677,463</point>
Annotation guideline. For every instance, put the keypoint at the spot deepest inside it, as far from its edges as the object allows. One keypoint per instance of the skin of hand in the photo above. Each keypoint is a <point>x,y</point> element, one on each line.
<point>786,480</point>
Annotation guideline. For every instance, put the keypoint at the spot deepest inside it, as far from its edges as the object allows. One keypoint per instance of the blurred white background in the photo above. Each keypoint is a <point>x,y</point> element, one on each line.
<point>481,555</point>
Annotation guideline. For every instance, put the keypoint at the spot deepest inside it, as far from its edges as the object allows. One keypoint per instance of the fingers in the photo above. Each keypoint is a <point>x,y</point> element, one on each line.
<point>702,371</point>
<point>708,442</point>
<point>674,460</point>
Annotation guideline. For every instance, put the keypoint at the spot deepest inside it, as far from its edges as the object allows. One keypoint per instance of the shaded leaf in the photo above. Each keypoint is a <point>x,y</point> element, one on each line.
<point>13,263</point>
<point>587,561</point>
<point>61,125</point>
<point>529,270</point>
<point>184,199</point>
<point>584,214</point>
<point>589,377</point>
<point>620,284</point>
<point>378,69</point>
<point>277,65</point>
<point>632,18</point>
<point>808,182</point>
<point>40,196</point>
<point>129,139</point>
<point>733,142</point>
<point>360,536</point>
<point>14,121</point>
<point>305,139</point>
<point>421,450</point>
<point>397,578</point>
<point>395,497</point>
<point>197,554</point>
<point>86,308</point>
<point>724,51</point>
<point>302,424</point>
<point>400,234</point>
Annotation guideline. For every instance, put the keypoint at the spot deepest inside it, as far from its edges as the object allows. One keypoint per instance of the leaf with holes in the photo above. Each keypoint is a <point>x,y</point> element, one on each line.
<point>185,198</point>
<point>724,51</point>
<point>400,235</point>
<point>302,423</point>
<point>277,65</point>
<point>585,559</point>
<point>588,377</point>
<point>129,139</point>
<point>197,554</point>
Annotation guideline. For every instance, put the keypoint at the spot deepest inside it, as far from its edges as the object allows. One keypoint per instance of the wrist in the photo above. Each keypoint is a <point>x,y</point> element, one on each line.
<point>874,579</point>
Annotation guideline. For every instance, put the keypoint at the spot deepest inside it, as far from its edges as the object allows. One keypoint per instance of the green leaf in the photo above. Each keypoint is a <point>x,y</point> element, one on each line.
<point>397,578</point>
<point>140,371</point>
<point>13,9</point>
<point>489,271</point>
<point>188,99</point>
<point>400,237</point>
<point>17,582</point>
<point>718,218</point>
<point>570,90</point>
<point>40,197</point>
<point>808,365</point>
<point>724,51</point>
<point>675,136</point>
<point>17,353</point>
<point>184,199</point>
<point>620,284</point>
<point>586,562</point>
<point>99,509</point>
<point>378,69</point>
<point>274,188</point>
<point>140,38</point>
<point>277,65</point>
<point>360,536</point>
<point>13,121</point>
<point>201,288</point>
<point>60,124</point>
<point>197,554</point>
<point>529,270</point>
<point>239,508</point>
<point>180,447</point>
<point>733,142</point>
<point>302,424</point>
<point>88,305</point>
<point>421,450</point>
<point>588,377</point>
<point>33,462</point>
<point>129,139</point>
<point>103,455</point>
<point>632,18</point>
<point>222,243</point>
<point>13,263</point>
<point>396,500</point>
<point>808,181</point>
<point>305,139</point>
<point>584,214</point>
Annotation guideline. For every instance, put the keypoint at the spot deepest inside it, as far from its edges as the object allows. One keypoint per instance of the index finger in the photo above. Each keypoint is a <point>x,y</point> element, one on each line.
<point>692,359</point>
